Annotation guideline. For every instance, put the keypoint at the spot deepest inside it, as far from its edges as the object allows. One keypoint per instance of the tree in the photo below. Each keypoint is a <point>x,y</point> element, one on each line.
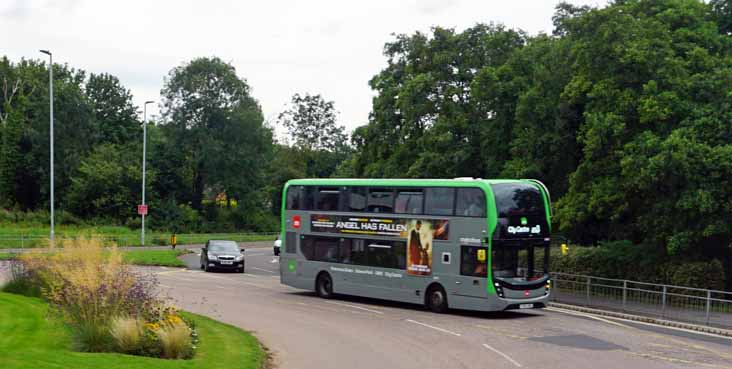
<point>311,122</point>
<point>216,130</point>
<point>114,112</point>
<point>107,183</point>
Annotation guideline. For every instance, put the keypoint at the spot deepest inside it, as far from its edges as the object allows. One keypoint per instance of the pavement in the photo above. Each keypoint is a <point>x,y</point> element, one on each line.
<point>304,331</point>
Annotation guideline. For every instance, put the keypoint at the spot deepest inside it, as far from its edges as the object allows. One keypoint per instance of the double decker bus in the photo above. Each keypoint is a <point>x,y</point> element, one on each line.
<point>463,243</point>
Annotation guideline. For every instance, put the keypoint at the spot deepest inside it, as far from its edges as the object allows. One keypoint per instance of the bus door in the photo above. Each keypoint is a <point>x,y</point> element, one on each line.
<point>473,271</point>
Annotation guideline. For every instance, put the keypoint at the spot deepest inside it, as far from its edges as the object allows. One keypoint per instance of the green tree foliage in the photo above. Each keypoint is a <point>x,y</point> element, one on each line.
<point>311,122</point>
<point>107,184</point>
<point>434,114</point>
<point>624,112</point>
<point>216,132</point>
<point>114,112</point>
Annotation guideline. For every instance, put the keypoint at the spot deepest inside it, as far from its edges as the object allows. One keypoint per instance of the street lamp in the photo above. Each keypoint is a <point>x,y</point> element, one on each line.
<point>50,93</point>
<point>144,153</point>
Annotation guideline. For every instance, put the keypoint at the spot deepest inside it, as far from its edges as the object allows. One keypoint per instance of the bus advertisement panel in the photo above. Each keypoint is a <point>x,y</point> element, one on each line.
<point>419,234</point>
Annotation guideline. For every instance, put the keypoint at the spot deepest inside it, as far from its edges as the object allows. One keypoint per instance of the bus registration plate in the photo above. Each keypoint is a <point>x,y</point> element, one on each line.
<point>526,306</point>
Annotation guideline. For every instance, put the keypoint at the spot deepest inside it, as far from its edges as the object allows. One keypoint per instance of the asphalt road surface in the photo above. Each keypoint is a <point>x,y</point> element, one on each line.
<point>304,331</point>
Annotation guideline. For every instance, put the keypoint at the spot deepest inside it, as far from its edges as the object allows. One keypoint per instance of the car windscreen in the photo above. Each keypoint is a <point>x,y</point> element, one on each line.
<point>517,198</point>
<point>224,246</point>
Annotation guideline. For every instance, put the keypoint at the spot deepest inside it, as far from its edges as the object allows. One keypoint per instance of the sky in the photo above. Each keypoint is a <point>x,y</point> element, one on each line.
<point>280,47</point>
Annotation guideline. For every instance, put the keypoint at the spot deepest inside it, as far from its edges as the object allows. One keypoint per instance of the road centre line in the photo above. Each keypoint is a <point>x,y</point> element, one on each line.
<point>433,327</point>
<point>354,307</point>
<point>514,362</point>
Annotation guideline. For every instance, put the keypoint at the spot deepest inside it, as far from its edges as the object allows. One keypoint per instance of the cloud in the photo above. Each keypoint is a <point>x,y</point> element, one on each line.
<point>431,7</point>
<point>15,9</point>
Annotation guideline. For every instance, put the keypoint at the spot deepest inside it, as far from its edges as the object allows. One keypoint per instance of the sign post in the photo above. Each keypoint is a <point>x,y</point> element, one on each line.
<point>142,210</point>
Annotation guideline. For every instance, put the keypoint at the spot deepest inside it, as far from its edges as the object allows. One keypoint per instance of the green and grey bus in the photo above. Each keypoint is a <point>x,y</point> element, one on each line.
<point>462,243</point>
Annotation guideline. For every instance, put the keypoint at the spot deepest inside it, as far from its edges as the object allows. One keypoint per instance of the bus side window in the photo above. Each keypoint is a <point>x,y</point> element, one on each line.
<point>470,263</point>
<point>326,249</point>
<point>306,247</point>
<point>308,198</point>
<point>439,201</point>
<point>328,198</point>
<point>409,202</point>
<point>353,251</point>
<point>294,196</point>
<point>470,202</point>
<point>381,200</point>
<point>357,199</point>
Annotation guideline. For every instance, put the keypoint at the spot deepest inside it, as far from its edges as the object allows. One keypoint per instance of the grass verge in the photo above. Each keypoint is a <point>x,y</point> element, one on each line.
<point>30,340</point>
<point>155,257</point>
<point>140,257</point>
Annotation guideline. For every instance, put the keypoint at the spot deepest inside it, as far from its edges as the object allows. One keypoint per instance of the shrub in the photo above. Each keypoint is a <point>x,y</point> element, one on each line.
<point>88,286</point>
<point>708,275</point>
<point>127,334</point>
<point>175,340</point>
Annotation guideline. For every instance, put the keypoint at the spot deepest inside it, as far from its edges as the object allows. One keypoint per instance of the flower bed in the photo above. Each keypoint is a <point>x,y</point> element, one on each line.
<point>106,305</point>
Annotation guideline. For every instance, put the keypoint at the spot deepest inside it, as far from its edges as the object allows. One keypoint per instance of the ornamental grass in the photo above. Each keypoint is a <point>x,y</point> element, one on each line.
<point>107,305</point>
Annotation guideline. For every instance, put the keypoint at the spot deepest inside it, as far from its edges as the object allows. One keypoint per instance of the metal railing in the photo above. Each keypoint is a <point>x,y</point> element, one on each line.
<point>24,241</point>
<point>693,305</point>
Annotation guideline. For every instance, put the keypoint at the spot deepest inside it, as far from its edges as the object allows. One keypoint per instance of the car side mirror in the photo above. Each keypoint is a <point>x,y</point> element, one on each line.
<point>242,250</point>
<point>203,249</point>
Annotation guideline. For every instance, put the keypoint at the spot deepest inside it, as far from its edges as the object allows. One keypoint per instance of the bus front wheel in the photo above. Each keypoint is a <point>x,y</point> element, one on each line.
<point>436,299</point>
<point>324,286</point>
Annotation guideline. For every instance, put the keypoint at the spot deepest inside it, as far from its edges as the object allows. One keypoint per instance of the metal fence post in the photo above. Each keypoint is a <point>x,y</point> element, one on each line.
<point>663,309</point>
<point>589,282</point>
<point>625,294</point>
<point>709,305</point>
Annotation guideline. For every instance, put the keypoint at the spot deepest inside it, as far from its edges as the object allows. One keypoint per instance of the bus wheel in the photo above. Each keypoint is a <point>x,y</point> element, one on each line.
<point>324,286</point>
<point>436,299</point>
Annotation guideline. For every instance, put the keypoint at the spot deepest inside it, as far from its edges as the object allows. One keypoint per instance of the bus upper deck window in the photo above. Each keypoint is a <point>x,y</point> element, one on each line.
<point>409,202</point>
<point>357,199</point>
<point>381,200</point>
<point>439,201</point>
<point>328,198</point>
<point>294,195</point>
<point>470,202</point>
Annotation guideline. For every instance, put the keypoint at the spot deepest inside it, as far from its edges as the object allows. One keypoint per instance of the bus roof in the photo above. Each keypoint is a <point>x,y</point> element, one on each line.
<point>457,182</point>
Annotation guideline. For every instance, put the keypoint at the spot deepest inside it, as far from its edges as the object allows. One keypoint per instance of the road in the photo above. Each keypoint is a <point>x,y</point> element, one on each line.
<point>304,331</point>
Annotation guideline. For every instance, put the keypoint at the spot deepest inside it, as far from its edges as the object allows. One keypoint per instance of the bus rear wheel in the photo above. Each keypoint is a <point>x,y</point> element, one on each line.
<point>436,299</point>
<point>324,286</point>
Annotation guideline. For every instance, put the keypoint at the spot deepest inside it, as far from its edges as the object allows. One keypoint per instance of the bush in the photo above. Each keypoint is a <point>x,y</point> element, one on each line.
<point>708,275</point>
<point>643,263</point>
<point>175,340</point>
<point>127,334</point>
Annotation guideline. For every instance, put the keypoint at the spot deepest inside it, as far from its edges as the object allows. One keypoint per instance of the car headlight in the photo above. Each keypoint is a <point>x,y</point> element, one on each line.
<point>240,258</point>
<point>212,257</point>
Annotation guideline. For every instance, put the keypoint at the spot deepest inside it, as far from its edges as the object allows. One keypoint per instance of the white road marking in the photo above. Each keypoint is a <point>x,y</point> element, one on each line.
<point>607,320</point>
<point>435,328</point>
<point>274,260</point>
<point>354,307</point>
<point>250,275</point>
<point>514,362</point>
<point>264,270</point>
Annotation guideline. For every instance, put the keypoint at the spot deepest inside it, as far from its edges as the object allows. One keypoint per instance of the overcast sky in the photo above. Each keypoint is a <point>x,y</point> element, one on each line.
<point>279,46</point>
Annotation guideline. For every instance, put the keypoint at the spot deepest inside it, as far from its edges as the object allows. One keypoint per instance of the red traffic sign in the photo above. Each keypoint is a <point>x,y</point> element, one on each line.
<point>141,209</point>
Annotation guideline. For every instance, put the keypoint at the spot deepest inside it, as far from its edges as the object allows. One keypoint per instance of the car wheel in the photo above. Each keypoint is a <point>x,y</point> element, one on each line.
<point>324,286</point>
<point>202,266</point>
<point>436,299</point>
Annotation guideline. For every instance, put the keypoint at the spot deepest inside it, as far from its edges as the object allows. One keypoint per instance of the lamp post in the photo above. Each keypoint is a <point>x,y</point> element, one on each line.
<point>50,93</point>
<point>144,153</point>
